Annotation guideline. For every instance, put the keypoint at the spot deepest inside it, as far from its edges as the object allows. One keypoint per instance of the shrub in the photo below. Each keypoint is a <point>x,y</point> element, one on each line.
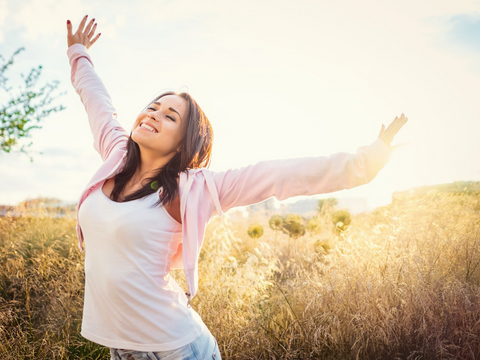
<point>341,219</point>
<point>293,225</point>
<point>276,222</point>
<point>255,231</point>
<point>314,226</point>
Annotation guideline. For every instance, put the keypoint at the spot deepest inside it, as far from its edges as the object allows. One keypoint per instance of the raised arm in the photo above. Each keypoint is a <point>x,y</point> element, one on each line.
<point>107,131</point>
<point>305,176</point>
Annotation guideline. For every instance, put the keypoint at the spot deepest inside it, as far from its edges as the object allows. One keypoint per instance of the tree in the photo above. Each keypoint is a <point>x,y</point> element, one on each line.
<point>29,103</point>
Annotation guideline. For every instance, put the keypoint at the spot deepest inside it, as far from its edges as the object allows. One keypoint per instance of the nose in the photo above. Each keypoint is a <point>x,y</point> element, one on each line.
<point>152,115</point>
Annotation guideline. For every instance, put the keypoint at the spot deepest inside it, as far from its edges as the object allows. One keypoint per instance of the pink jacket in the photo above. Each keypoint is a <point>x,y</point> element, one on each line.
<point>205,193</point>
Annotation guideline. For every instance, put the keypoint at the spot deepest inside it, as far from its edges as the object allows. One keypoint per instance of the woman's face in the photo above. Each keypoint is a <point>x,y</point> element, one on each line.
<point>160,128</point>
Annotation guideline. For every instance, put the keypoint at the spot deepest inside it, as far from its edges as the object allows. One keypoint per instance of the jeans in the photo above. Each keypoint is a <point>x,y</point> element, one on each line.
<point>202,348</point>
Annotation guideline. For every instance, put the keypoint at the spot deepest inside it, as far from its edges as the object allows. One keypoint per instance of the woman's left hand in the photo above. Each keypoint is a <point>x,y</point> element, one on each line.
<point>389,133</point>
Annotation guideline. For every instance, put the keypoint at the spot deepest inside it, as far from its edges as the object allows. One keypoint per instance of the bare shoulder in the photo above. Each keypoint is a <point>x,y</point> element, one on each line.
<point>108,186</point>
<point>174,209</point>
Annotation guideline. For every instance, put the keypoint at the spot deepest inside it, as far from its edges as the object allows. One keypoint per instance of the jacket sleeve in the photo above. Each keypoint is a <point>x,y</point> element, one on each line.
<point>107,131</point>
<point>302,176</point>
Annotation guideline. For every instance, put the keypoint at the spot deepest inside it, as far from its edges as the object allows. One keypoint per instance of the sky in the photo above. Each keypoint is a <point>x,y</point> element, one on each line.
<point>277,79</point>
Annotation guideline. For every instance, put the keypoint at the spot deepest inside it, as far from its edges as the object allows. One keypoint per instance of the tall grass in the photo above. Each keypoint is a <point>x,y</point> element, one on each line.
<point>402,282</point>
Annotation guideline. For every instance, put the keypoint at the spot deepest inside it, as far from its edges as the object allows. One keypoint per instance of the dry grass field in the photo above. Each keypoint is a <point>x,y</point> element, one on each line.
<point>401,282</point>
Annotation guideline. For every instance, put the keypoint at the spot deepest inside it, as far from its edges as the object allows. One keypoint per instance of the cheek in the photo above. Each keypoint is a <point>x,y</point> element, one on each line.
<point>170,127</point>
<point>140,117</point>
<point>172,135</point>
<point>137,121</point>
<point>179,132</point>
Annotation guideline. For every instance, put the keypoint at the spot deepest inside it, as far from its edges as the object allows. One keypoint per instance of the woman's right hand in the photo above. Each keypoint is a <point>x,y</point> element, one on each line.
<point>83,35</point>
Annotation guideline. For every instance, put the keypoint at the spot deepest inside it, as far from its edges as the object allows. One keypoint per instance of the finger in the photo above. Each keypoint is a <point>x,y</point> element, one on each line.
<point>392,132</point>
<point>393,122</point>
<point>95,39</point>
<point>397,124</point>
<point>69,28</point>
<point>381,130</point>
<point>92,32</point>
<point>82,24</point>
<point>399,146</point>
<point>89,26</point>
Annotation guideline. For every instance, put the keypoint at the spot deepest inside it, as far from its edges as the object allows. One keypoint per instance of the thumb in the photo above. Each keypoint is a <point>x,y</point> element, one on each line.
<point>399,146</point>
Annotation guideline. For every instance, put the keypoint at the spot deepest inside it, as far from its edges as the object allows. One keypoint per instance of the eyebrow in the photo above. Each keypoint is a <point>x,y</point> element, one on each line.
<point>170,108</point>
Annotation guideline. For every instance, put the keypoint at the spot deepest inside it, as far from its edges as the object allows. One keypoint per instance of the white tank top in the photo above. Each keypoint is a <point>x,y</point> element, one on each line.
<point>131,301</point>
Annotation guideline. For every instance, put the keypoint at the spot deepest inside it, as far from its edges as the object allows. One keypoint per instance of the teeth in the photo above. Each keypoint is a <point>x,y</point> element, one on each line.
<point>148,127</point>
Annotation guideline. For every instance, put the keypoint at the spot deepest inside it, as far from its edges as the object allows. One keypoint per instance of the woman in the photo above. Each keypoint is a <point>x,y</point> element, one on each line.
<point>145,210</point>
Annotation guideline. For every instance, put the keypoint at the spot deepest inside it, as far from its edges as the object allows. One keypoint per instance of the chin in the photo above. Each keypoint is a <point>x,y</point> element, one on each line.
<point>135,137</point>
<point>142,143</point>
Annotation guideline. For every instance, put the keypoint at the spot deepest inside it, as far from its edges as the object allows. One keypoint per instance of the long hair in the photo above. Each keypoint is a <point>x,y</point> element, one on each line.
<point>195,152</point>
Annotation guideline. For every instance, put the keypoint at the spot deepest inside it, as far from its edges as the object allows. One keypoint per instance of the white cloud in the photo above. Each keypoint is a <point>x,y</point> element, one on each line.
<point>120,20</point>
<point>178,10</point>
<point>42,18</point>
<point>46,19</point>
<point>107,29</point>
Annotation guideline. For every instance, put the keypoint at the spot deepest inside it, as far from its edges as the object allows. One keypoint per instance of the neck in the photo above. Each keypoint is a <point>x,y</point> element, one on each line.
<point>149,165</point>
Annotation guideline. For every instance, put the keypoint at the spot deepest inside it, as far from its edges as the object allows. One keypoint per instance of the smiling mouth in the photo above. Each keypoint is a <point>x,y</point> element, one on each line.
<point>148,128</point>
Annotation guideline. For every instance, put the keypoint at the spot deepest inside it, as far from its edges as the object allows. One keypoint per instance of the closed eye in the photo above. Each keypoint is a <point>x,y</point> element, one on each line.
<point>168,116</point>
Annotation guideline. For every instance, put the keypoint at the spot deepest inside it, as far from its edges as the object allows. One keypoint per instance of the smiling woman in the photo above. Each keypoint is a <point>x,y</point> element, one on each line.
<point>170,135</point>
<point>159,197</point>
